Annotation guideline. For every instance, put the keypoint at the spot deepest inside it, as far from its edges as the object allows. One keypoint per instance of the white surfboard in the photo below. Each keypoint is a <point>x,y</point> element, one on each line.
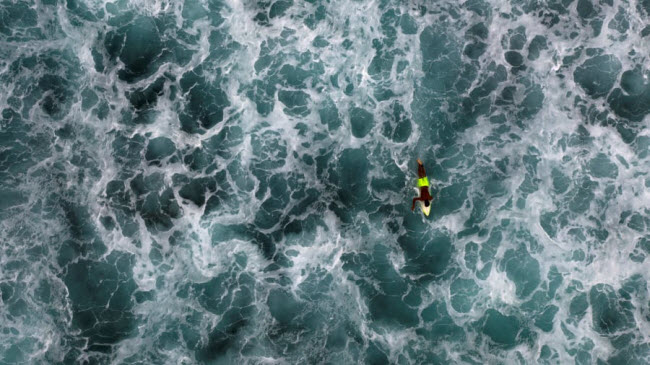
<point>426,210</point>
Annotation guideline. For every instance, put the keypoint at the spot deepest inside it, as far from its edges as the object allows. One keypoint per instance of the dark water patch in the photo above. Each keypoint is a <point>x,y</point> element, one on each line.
<point>561,182</point>
<point>536,46</point>
<point>223,233</point>
<point>503,330</point>
<point>507,96</point>
<point>546,319</point>
<point>361,122</point>
<point>240,178</point>
<point>219,294</point>
<point>84,240</point>
<point>320,42</point>
<point>393,180</point>
<point>478,102</point>
<point>582,195</point>
<point>450,199</point>
<point>479,7</point>
<point>140,49</point>
<point>15,16</point>
<point>57,95</point>
<point>532,102</point>
<point>231,296</point>
<point>518,38</point>
<point>643,6</point>
<point>222,45</point>
<point>11,198</point>
<point>389,23</point>
<point>296,102</point>
<point>147,97</point>
<point>579,306</point>
<point>266,59</point>
<point>398,126</point>
<point>408,24</point>
<point>597,75</point>
<point>206,102</point>
<point>489,248</point>
<point>197,160</point>
<point>630,101</point>
<point>120,201</point>
<point>620,21</point>
<point>633,354</point>
<point>641,250</point>
<point>229,137</point>
<point>547,355</point>
<point>279,7</point>
<point>478,30</point>
<point>329,114</point>
<point>385,301</point>
<point>381,65</point>
<point>427,255</point>
<point>283,307</point>
<point>440,60</point>
<point>22,149</point>
<point>56,72</point>
<point>270,152</point>
<point>196,190</point>
<point>102,302</point>
<point>635,221</point>
<point>79,13</point>
<point>633,81</point>
<point>88,99</point>
<point>263,95</point>
<point>159,148</point>
<point>475,50</point>
<point>193,10</point>
<point>590,14</point>
<point>148,196</point>
<point>522,269</point>
<point>463,292</point>
<point>471,255</point>
<point>610,312</point>
<point>127,152</point>
<point>602,166</point>
<point>586,9</point>
<point>645,31</point>
<point>158,210</point>
<point>294,77</point>
<point>438,324</point>
<point>271,210</point>
<point>514,58</point>
<point>352,177</point>
<point>313,19</point>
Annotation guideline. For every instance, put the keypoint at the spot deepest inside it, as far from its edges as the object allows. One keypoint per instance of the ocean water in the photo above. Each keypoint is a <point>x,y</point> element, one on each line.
<point>229,182</point>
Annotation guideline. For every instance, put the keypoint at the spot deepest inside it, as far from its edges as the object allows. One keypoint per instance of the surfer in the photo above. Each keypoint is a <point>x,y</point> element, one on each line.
<point>423,185</point>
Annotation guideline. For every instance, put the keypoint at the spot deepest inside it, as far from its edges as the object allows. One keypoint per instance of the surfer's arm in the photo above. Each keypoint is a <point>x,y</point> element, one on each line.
<point>421,172</point>
<point>414,200</point>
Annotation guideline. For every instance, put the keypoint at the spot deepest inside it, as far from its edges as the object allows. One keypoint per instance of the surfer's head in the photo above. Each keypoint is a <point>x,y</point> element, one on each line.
<point>426,203</point>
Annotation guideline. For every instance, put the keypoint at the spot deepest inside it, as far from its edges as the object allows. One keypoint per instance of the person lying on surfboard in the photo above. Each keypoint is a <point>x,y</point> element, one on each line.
<point>423,185</point>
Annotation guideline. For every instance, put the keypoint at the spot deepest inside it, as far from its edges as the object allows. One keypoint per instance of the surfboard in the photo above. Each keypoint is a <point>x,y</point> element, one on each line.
<point>426,210</point>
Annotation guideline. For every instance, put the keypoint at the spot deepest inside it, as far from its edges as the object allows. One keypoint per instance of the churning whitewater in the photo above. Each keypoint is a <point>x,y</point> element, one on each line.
<point>230,182</point>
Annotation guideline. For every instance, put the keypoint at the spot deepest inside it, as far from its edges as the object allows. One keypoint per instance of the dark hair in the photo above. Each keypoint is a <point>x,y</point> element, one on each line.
<point>426,203</point>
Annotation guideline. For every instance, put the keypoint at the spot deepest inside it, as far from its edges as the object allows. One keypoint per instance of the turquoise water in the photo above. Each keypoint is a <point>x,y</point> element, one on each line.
<point>229,181</point>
